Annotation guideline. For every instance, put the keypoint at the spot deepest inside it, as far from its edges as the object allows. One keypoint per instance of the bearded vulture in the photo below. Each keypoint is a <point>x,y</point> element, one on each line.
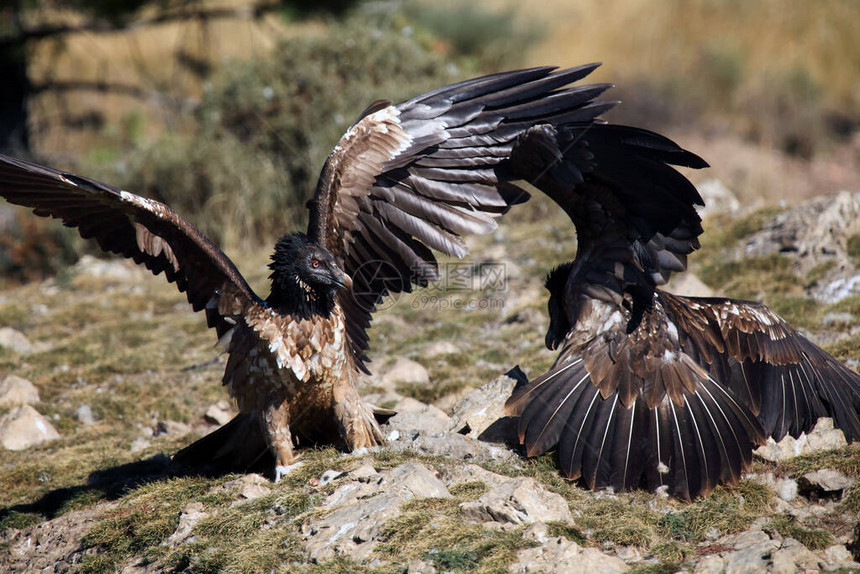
<point>403,180</point>
<point>654,389</point>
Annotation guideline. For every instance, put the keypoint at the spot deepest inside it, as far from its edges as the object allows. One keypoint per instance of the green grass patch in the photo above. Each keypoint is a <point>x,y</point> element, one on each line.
<point>141,522</point>
<point>432,529</point>
<point>852,246</point>
<point>812,538</point>
<point>845,460</point>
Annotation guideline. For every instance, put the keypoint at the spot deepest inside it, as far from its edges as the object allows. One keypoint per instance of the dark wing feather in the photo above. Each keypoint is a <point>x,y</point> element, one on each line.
<point>417,176</point>
<point>144,230</point>
<point>633,408</point>
<point>627,202</point>
<point>787,381</point>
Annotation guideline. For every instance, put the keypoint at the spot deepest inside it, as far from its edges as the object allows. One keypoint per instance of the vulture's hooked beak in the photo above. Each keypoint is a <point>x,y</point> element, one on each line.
<point>342,280</point>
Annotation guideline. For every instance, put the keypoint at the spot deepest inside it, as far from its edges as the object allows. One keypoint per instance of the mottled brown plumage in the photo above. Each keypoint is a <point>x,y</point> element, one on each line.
<point>403,180</point>
<point>652,388</point>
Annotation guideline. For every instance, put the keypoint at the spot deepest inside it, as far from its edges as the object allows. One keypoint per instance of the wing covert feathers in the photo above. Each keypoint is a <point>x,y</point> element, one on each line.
<point>419,175</point>
<point>144,230</point>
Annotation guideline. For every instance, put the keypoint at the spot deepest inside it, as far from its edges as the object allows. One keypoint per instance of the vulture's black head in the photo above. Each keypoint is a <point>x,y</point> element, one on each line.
<point>559,324</point>
<point>305,277</point>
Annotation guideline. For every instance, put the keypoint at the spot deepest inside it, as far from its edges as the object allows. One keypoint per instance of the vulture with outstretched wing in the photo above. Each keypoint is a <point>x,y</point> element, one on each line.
<point>403,180</point>
<point>654,389</point>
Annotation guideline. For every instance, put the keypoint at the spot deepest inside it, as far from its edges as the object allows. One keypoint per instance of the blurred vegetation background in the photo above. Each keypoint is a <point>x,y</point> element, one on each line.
<point>226,109</point>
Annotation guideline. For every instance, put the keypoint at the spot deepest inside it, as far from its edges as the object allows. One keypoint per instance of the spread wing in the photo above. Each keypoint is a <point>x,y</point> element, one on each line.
<point>141,229</point>
<point>786,380</point>
<point>635,215</point>
<point>419,175</point>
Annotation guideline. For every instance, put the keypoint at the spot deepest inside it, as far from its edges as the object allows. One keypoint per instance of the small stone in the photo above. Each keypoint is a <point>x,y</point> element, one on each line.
<point>359,512</point>
<point>15,340</point>
<point>629,554</point>
<point>749,538</point>
<point>16,391</point>
<point>565,556</point>
<point>538,531</point>
<point>139,444</point>
<point>712,564</point>
<point>438,348</point>
<point>175,428</point>
<point>413,419</point>
<point>717,197</point>
<point>85,415</point>
<point>688,284</point>
<point>825,481</point>
<point>329,476</point>
<point>254,490</point>
<point>421,567</point>
<point>404,372</point>
<point>219,415</point>
<point>483,408</point>
<point>822,437</point>
<point>24,427</point>
<point>794,556</point>
<point>192,513</point>
<point>364,473</point>
<point>838,556</point>
<point>519,501</point>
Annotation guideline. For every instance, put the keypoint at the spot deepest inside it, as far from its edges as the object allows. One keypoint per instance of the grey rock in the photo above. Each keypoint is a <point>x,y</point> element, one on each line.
<point>752,551</point>
<point>439,348</point>
<point>23,427</point>
<point>113,269</point>
<point>412,420</point>
<point>688,284</point>
<point>712,564</point>
<point>358,511</point>
<point>785,488</point>
<point>15,340</point>
<point>837,556</point>
<point>816,232</point>
<point>85,415</point>
<point>420,567</point>
<point>748,539</point>
<point>825,480</point>
<point>463,473</point>
<point>822,437</point>
<point>364,473</point>
<point>248,487</point>
<point>717,197</point>
<point>192,513</point>
<point>537,531</point>
<point>174,428</point>
<point>518,501</point>
<point>16,391</point>
<point>450,445</point>
<point>139,444</point>
<point>483,407</point>
<point>793,556</point>
<point>403,372</point>
<point>328,477</point>
<point>565,556</point>
<point>220,413</point>
<point>630,554</point>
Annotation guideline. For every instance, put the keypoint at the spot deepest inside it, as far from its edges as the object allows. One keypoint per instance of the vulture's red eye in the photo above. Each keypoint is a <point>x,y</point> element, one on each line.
<point>315,264</point>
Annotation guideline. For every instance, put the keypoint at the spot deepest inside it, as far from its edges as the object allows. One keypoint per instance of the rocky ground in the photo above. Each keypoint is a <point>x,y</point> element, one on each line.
<point>107,373</point>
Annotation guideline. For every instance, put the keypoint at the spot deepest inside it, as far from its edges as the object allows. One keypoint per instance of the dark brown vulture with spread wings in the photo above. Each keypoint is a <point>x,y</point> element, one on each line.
<point>652,388</point>
<point>403,180</point>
